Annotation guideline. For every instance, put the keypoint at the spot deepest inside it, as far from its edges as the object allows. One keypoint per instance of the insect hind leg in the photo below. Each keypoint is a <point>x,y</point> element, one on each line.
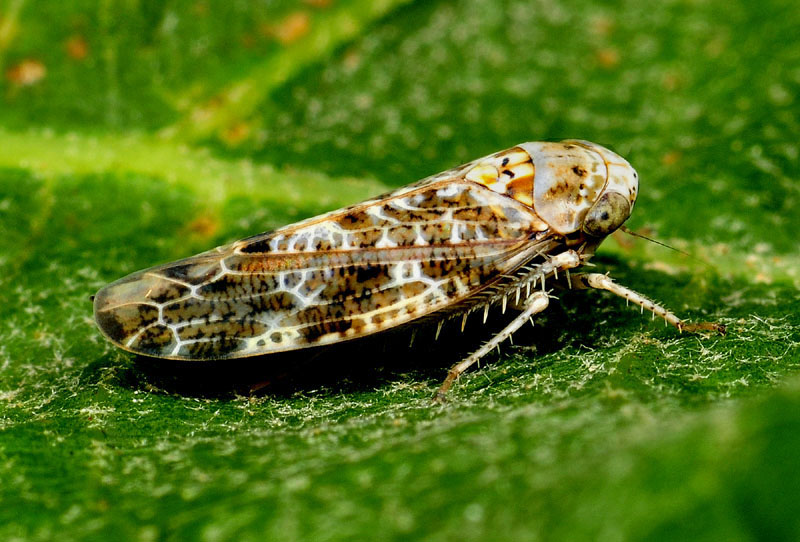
<point>533,305</point>
<point>599,281</point>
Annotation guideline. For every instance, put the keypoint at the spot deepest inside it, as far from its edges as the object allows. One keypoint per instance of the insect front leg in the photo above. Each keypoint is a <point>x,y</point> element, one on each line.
<point>533,305</point>
<point>599,281</point>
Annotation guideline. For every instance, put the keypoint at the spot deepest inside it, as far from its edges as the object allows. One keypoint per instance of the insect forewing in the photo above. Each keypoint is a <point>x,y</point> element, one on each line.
<point>346,274</point>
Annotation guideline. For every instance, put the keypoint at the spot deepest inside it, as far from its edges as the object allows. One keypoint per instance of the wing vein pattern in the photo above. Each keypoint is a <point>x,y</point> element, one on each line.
<point>343,275</point>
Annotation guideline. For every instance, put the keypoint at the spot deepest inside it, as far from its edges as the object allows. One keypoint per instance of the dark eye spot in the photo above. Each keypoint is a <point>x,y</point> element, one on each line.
<point>607,214</point>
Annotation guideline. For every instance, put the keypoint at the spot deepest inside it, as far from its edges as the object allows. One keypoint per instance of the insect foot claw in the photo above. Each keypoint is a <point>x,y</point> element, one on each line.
<point>440,397</point>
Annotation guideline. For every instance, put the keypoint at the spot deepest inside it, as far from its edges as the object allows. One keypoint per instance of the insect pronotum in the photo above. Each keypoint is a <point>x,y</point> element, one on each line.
<point>494,231</point>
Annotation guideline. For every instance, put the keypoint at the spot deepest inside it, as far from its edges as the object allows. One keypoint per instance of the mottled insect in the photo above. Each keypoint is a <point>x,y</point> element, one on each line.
<point>493,231</point>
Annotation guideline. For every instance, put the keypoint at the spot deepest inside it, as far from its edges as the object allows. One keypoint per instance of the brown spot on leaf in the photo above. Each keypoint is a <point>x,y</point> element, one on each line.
<point>292,28</point>
<point>200,8</point>
<point>673,80</point>
<point>77,47</point>
<point>26,73</point>
<point>607,57</point>
<point>671,158</point>
<point>236,133</point>
<point>203,226</point>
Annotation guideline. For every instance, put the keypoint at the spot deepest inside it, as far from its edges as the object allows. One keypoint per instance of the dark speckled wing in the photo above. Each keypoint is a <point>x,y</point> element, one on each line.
<point>341,276</point>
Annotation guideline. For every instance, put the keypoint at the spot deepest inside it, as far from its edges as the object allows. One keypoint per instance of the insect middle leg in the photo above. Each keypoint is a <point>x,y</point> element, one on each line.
<point>603,282</point>
<point>533,305</point>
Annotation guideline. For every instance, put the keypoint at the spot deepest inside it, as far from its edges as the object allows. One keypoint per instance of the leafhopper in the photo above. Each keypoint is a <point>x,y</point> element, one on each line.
<point>495,231</point>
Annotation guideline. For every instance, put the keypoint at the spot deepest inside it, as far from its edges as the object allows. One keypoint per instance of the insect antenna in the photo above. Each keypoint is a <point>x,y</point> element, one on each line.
<point>693,257</point>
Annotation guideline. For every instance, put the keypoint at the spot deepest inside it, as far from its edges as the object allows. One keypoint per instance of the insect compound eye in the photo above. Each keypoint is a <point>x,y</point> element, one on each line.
<point>608,214</point>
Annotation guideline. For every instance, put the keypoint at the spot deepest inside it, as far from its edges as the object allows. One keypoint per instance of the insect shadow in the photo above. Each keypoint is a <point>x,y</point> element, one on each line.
<point>354,366</point>
<point>363,365</point>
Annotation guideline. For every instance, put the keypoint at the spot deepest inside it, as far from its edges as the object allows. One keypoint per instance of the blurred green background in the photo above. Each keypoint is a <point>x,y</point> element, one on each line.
<point>134,132</point>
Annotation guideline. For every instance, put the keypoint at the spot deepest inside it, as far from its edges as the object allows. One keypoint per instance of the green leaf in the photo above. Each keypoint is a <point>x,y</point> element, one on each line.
<point>126,142</point>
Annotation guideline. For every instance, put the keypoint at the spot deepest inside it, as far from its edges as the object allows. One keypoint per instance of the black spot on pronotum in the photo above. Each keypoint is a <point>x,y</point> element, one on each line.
<point>579,171</point>
<point>508,172</point>
<point>505,161</point>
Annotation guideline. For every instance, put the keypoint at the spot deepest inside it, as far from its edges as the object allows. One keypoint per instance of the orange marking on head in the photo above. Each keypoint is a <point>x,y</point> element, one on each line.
<point>484,174</point>
<point>521,189</point>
